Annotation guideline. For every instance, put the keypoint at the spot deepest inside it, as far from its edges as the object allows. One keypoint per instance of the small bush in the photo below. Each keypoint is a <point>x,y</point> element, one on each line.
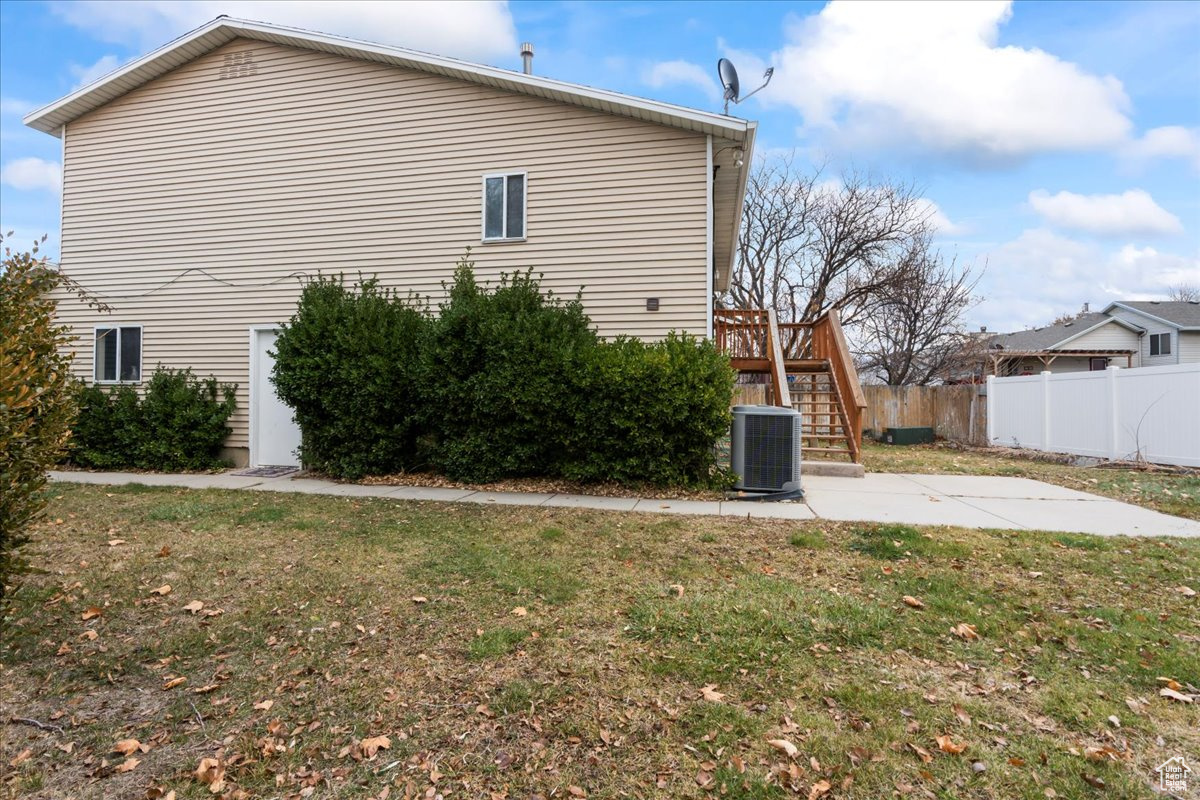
<point>36,404</point>
<point>346,364</point>
<point>497,375</point>
<point>179,424</point>
<point>650,412</point>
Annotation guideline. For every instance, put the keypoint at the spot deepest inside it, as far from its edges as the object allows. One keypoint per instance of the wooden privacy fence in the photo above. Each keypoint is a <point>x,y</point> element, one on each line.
<point>954,412</point>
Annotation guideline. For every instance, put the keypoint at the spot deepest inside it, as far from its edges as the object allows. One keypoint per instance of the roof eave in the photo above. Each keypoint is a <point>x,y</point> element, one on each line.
<point>736,222</point>
<point>52,117</point>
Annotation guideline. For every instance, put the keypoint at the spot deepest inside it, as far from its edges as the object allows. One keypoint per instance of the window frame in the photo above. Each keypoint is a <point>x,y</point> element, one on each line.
<point>117,326</point>
<point>1158,339</point>
<point>483,237</point>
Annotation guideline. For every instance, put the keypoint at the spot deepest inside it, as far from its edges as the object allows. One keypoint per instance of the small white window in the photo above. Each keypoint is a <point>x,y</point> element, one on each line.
<point>1160,344</point>
<point>504,207</point>
<point>117,354</point>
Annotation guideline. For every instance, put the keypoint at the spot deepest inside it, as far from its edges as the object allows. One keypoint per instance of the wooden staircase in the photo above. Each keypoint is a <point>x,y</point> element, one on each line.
<point>811,370</point>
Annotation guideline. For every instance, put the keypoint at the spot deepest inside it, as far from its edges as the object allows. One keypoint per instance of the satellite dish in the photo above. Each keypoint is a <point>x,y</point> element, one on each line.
<point>729,79</point>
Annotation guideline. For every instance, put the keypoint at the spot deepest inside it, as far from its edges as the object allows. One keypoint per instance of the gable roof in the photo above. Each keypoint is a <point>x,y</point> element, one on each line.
<point>1181,314</point>
<point>1053,337</point>
<point>50,118</point>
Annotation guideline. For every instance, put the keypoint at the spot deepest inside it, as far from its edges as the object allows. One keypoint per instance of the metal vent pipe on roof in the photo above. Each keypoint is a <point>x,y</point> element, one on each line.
<point>527,57</point>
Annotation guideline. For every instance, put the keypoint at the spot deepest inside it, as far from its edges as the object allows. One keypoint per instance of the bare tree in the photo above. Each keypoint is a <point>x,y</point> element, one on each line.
<point>915,334</point>
<point>808,246</point>
<point>1185,293</point>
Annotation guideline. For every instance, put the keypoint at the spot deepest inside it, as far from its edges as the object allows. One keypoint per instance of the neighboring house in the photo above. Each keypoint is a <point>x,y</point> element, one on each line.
<point>1091,341</point>
<point>205,181</point>
<point>1172,329</point>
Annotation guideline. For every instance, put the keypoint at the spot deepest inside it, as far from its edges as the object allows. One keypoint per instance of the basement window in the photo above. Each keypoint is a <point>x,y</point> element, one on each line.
<point>504,207</point>
<point>1160,344</point>
<point>117,354</point>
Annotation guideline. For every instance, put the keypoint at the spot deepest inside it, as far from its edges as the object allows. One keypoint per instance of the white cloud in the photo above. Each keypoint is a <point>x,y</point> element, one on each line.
<point>32,173</point>
<point>675,73</point>
<point>932,76</point>
<point>85,75</point>
<point>18,108</point>
<point>1171,141</point>
<point>478,29</point>
<point>1031,280</point>
<point>942,226</point>
<point>1132,212</point>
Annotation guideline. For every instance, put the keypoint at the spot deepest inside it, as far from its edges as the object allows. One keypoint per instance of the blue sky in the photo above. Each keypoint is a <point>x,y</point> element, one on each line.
<point>1059,141</point>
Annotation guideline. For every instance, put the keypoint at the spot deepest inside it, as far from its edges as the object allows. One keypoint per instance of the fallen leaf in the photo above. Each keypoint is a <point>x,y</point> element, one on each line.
<point>166,551</point>
<point>162,591</point>
<point>128,764</point>
<point>1170,683</point>
<point>784,746</point>
<point>115,542</point>
<point>211,773</point>
<point>1186,591</point>
<point>90,635</point>
<point>947,745</point>
<point>1171,694</point>
<point>576,791</point>
<point>710,693</point>
<point>924,754</point>
<point>21,757</point>
<point>91,612</point>
<point>912,602</point>
<point>265,705</point>
<point>171,684</point>
<point>964,631</point>
<point>819,789</point>
<point>373,745</point>
<point>126,746</point>
<point>1093,781</point>
<point>418,599</point>
<point>194,606</point>
<point>519,611</point>
<point>677,588</point>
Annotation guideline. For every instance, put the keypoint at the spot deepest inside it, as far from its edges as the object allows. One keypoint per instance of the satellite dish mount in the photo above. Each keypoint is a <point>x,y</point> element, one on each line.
<point>729,79</point>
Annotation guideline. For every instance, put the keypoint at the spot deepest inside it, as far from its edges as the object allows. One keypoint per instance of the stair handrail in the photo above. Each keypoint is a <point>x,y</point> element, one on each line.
<point>783,396</point>
<point>829,343</point>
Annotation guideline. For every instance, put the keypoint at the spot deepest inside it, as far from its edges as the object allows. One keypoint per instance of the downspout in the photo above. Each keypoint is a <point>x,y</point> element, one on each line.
<point>709,177</point>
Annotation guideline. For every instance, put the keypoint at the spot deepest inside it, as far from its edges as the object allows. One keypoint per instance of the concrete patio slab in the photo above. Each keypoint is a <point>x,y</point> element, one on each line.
<point>592,501</point>
<point>908,509</point>
<point>872,483</point>
<point>997,486</point>
<point>760,510</point>
<point>1099,516</point>
<point>707,507</point>
<point>508,498</point>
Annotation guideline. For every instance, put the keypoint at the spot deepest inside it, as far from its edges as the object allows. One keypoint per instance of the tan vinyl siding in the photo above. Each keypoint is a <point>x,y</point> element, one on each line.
<point>1109,336</point>
<point>318,162</point>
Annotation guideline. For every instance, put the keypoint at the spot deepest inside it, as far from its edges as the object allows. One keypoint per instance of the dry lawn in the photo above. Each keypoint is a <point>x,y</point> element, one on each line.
<point>334,647</point>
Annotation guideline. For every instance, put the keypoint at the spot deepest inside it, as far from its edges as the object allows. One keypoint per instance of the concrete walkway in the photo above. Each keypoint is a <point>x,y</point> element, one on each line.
<point>967,501</point>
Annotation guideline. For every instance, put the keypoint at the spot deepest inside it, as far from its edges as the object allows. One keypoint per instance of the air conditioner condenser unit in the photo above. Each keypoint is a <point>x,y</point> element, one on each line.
<point>765,449</point>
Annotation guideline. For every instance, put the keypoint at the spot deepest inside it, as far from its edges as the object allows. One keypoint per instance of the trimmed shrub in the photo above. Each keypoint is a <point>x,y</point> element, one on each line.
<point>496,373</point>
<point>345,363</point>
<point>650,412</point>
<point>180,424</point>
<point>36,404</point>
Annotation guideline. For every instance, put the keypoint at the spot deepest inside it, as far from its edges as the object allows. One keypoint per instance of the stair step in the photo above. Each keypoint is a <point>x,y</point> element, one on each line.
<point>838,450</point>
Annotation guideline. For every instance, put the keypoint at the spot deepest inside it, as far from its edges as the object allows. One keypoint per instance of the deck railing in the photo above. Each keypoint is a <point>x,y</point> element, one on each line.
<point>756,342</point>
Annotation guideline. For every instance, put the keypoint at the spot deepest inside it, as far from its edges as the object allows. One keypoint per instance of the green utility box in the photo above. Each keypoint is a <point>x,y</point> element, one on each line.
<point>908,435</point>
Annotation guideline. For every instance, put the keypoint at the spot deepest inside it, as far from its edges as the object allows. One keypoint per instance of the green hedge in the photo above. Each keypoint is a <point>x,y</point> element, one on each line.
<point>179,423</point>
<point>507,381</point>
<point>347,366</point>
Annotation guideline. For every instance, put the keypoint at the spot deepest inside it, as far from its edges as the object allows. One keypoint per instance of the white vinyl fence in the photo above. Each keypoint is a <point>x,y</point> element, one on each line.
<point>1152,413</point>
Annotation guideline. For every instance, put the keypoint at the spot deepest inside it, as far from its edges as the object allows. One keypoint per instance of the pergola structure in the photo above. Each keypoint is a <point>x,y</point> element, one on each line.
<point>996,358</point>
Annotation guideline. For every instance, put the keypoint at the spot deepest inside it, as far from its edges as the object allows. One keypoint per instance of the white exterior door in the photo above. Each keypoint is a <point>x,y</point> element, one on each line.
<point>274,435</point>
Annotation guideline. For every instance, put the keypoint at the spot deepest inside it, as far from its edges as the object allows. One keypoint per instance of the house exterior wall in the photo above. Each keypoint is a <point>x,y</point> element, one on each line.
<point>196,204</point>
<point>1189,347</point>
<point>1151,326</point>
